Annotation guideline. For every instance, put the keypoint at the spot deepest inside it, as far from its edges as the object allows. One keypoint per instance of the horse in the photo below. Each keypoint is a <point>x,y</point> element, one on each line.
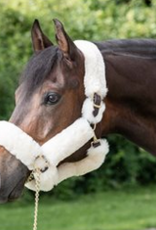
<point>51,93</point>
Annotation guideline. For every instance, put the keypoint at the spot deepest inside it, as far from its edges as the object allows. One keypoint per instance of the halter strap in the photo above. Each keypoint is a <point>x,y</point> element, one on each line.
<point>65,143</point>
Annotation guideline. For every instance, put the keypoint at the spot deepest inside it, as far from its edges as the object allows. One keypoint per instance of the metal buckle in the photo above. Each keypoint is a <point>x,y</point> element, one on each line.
<point>96,104</point>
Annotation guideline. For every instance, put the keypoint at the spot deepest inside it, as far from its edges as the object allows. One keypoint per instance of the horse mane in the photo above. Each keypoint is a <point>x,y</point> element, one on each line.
<point>39,68</point>
<point>41,63</point>
<point>141,48</point>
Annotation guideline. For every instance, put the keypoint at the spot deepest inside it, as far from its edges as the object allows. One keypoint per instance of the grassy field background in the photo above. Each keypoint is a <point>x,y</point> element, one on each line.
<point>128,209</point>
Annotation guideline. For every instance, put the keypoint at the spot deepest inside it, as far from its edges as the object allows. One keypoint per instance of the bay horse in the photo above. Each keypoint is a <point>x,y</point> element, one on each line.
<point>51,93</point>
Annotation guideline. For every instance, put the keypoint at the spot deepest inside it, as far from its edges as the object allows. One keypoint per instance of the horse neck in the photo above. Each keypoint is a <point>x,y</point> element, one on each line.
<point>130,102</point>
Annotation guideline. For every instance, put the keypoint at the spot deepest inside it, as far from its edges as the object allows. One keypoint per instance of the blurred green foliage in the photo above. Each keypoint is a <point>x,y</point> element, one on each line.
<point>83,19</point>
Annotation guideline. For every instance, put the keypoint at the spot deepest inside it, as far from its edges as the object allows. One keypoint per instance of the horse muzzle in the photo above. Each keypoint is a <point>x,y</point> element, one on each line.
<point>13,175</point>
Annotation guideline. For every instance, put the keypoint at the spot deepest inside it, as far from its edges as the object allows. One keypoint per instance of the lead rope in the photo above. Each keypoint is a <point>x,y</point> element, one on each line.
<point>38,172</point>
<point>37,194</point>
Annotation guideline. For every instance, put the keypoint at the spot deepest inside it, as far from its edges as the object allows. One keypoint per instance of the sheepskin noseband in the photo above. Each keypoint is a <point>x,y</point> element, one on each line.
<point>48,156</point>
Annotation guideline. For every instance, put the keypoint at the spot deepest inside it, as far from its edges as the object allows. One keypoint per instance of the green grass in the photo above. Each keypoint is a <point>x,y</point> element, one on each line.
<point>130,209</point>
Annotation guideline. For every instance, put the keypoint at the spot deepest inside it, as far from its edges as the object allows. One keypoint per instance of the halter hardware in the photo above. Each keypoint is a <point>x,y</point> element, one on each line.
<point>96,103</point>
<point>38,163</point>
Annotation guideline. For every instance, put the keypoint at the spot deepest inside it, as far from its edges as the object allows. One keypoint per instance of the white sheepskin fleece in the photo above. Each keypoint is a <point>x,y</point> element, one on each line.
<point>88,115</point>
<point>48,179</point>
<point>94,79</point>
<point>95,158</point>
<point>65,143</point>
<point>19,143</point>
<point>68,141</point>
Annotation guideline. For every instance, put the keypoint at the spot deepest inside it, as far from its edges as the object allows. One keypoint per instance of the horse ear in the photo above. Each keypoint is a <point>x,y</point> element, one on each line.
<point>39,39</point>
<point>65,43</point>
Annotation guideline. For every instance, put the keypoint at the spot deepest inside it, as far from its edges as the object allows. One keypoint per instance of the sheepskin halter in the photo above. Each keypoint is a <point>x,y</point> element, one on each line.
<point>48,156</point>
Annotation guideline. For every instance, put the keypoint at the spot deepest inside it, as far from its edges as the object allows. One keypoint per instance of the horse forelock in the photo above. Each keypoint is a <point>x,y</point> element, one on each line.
<point>39,68</point>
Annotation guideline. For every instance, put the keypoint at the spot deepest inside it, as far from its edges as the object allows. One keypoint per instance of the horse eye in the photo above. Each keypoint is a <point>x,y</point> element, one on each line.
<point>51,98</point>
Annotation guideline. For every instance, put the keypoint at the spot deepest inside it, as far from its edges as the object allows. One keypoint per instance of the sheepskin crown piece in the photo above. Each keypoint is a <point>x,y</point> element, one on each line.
<point>48,156</point>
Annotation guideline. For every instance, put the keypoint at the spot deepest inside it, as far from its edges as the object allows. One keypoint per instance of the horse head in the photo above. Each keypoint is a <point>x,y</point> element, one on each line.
<point>49,98</point>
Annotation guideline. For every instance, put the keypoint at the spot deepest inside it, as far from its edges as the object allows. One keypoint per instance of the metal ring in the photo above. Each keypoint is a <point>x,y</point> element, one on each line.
<point>46,164</point>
